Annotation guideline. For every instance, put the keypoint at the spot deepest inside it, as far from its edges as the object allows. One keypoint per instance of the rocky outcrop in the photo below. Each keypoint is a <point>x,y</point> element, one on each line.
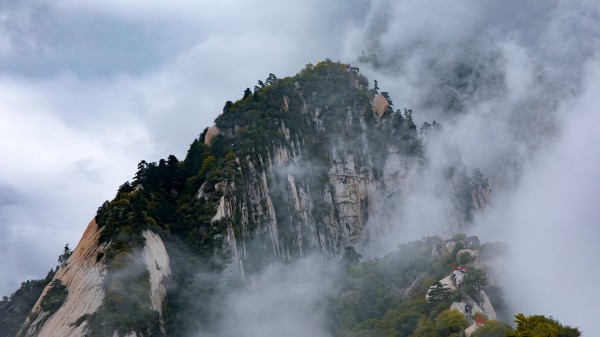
<point>83,276</point>
<point>296,168</point>
<point>455,282</point>
<point>471,329</point>
<point>211,133</point>
<point>481,196</point>
<point>486,306</point>
<point>380,105</point>
<point>285,205</point>
<point>158,265</point>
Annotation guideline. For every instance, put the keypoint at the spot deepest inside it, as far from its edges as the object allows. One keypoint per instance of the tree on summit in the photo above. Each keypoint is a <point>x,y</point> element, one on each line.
<point>247,93</point>
<point>375,89</point>
<point>62,258</point>
<point>538,325</point>
<point>438,293</point>
<point>271,79</point>
<point>386,95</point>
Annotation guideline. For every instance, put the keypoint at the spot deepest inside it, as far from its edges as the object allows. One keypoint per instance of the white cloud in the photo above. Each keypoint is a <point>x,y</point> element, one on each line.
<point>553,221</point>
<point>90,88</point>
<point>61,164</point>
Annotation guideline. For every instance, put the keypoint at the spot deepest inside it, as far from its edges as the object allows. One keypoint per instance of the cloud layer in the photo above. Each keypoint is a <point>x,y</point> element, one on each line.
<point>88,89</point>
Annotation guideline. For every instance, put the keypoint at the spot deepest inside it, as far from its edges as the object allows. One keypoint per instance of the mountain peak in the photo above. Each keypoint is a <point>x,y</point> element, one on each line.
<point>302,165</point>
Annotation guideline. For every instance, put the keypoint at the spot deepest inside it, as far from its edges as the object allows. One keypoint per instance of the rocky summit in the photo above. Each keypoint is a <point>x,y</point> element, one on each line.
<point>304,167</point>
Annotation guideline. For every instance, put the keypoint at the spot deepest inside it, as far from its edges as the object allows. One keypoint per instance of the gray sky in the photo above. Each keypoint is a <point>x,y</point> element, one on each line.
<point>88,89</point>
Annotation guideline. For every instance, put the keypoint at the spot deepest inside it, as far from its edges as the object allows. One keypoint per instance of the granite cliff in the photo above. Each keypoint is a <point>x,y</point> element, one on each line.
<point>300,166</point>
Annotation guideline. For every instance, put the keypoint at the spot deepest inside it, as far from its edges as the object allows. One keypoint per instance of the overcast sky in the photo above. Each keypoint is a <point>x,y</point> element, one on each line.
<point>90,88</point>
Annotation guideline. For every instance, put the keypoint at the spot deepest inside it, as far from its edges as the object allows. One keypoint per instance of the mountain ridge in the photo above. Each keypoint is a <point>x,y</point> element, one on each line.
<point>301,165</point>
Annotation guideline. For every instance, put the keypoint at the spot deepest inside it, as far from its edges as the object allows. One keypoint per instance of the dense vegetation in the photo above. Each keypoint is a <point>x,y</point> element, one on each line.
<point>14,309</point>
<point>538,325</point>
<point>54,297</point>
<point>164,196</point>
<point>386,297</point>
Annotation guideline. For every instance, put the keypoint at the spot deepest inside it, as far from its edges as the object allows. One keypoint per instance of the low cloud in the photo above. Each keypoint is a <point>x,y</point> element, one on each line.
<point>88,90</point>
<point>552,221</point>
<point>282,300</point>
<point>512,85</point>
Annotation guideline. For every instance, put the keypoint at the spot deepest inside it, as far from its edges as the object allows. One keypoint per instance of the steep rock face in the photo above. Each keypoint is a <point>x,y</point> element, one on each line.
<point>83,276</point>
<point>312,161</point>
<point>301,166</point>
<point>481,196</point>
<point>158,264</point>
<point>317,187</point>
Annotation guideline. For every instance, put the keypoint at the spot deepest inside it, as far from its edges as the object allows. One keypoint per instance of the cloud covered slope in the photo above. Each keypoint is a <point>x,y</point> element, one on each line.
<point>88,90</point>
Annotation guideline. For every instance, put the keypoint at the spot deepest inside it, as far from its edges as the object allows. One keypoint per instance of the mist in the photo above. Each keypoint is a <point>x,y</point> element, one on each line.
<point>513,83</point>
<point>552,220</point>
<point>281,300</point>
<point>513,86</point>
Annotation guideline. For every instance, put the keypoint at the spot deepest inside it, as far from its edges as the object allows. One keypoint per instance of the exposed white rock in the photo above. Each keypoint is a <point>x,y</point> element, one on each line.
<point>471,329</point>
<point>272,217</point>
<point>212,132</point>
<point>486,308</point>
<point>83,276</point>
<point>285,132</point>
<point>380,104</point>
<point>221,210</point>
<point>236,261</point>
<point>292,182</point>
<point>200,194</point>
<point>486,305</point>
<point>448,282</point>
<point>159,267</point>
<point>459,277</point>
<point>282,156</point>
<point>286,103</point>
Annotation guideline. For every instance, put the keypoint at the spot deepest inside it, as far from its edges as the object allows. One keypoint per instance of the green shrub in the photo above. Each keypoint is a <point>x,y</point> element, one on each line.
<point>492,329</point>
<point>55,296</point>
<point>450,321</point>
